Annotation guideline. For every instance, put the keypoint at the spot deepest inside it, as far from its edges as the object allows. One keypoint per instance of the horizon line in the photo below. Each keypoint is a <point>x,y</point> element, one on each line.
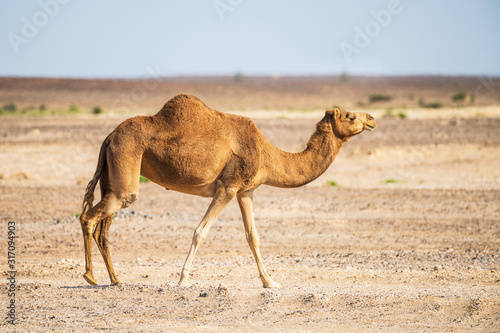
<point>242,75</point>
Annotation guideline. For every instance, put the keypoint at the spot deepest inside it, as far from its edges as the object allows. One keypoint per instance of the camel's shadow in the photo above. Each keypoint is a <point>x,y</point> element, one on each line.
<point>88,287</point>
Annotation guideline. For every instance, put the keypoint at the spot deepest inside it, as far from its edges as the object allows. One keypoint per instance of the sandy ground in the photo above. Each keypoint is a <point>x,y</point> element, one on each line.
<point>420,253</point>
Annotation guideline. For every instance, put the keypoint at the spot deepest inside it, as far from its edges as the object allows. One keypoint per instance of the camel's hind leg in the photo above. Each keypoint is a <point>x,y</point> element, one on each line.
<point>101,238</point>
<point>120,188</point>
<point>101,231</point>
<point>89,221</point>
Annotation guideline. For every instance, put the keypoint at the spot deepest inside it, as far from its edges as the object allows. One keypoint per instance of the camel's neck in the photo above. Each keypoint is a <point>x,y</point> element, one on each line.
<point>296,169</point>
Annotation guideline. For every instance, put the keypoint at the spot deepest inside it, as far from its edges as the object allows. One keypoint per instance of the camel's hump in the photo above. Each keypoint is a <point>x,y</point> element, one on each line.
<point>184,101</point>
<point>187,108</point>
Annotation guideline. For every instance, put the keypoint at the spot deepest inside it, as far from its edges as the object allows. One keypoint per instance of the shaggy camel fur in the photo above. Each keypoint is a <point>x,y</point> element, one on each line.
<point>190,148</point>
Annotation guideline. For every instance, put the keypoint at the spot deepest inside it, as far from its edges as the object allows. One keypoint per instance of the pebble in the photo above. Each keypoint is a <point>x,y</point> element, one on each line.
<point>121,214</point>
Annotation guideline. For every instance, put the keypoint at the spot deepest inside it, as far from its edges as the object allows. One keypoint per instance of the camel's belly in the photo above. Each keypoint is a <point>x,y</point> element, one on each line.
<point>202,191</point>
<point>191,177</point>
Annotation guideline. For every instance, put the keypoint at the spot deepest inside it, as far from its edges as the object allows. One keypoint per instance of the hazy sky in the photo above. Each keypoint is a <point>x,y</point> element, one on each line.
<point>76,38</point>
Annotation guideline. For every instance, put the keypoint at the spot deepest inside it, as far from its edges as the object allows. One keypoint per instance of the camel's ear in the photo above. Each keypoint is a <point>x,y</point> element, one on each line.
<point>334,114</point>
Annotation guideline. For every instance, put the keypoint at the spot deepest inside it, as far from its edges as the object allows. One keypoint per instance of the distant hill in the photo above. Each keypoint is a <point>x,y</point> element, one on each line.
<point>250,93</point>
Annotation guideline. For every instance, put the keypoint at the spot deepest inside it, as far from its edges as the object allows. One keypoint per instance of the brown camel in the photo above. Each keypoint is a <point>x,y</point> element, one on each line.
<point>190,148</point>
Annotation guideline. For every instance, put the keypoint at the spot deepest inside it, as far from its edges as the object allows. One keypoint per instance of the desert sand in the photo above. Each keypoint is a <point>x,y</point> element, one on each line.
<point>401,234</point>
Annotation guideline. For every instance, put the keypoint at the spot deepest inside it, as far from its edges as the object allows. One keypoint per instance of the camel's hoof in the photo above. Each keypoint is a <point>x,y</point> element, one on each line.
<point>90,279</point>
<point>273,285</point>
<point>116,283</point>
<point>184,283</point>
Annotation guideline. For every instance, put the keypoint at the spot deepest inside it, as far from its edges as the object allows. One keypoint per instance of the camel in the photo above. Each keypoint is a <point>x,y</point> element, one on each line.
<point>190,148</point>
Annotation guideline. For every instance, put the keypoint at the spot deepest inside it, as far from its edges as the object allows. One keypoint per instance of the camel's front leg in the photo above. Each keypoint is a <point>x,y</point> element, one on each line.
<point>220,200</point>
<point>245,200</point>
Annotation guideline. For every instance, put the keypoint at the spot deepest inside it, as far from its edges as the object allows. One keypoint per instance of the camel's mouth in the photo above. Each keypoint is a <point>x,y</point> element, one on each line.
<point>369,123</point>
<point>370,126</point>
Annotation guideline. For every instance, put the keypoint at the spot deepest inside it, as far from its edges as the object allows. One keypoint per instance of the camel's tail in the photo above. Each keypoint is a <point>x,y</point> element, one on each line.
<point>88,199</point>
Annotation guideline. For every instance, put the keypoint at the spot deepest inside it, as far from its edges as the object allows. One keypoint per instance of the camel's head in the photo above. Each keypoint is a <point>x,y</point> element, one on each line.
<point>346,124</point>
